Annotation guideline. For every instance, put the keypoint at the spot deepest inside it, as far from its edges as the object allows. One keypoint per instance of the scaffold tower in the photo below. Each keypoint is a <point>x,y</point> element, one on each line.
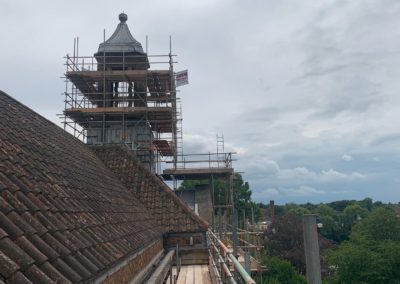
<point>117,96</point>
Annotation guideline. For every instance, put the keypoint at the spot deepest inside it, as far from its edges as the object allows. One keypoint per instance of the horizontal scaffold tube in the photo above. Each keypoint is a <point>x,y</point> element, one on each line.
<point>224,266</point>
<point>162,269</point>
<point>238,267</point>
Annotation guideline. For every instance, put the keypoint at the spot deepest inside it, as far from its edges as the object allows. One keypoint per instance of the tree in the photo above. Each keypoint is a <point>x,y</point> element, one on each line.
<point>310,206</point>
<point>241,190</point>
<point>330,228</point>
<point>242,197</point>
<point>366,203</point>
<point>325,210</point>
<point>381,225</point>
<point>262,205</point>
<point>371,254</point>
<point>285,240</point>
<point>280,272</point>
<point>294,209</point>
<point>191,184</point>
<point>329,218</point>
<point>341,204</point>
<point>352,214</point>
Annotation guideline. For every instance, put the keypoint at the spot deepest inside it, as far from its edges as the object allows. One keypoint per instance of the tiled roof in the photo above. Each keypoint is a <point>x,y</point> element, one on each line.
<point>64,216</point>
<point>171,212</point>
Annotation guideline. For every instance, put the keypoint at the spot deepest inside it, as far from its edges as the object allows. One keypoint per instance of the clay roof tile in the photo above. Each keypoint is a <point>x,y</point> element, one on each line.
<point>66,270</point>
<point>19,278</point>
<point>21,223</point>
<point>44,247</point>
<point>14,202</point>
<point>53,273</point>
<point>31,249</point>
<point>14,252</point>
<point>8,267</point>
<point>9,227</point>
<point>36,275</point>
<point>33,221</point>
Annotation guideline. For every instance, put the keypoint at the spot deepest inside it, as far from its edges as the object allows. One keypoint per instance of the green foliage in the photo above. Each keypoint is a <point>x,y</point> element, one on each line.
<point>279,209</point>
<point>280,271</point>
<point>262,205</point>
<point>243,202</point>
<point>325,210</point>
<point>337,217</point>
<point>371,254</point>
<point>337,225</point>
<point>368,233</point>
<point>330,228</point>
<point>309,206</point>
<point>381,225</point>
<point>378,204</point>
<point>353,213</point>
<point>330,222</point>
<point>299,211</point>
<point>242,195</point>
<point>286,240</point>
<point>366,203</point>
<point>295,209</point>
<point>355,264</point>
<point>191,184</point>
<point>340,205</point>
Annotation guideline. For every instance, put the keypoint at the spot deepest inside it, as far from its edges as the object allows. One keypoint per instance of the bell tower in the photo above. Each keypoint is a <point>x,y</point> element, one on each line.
<point>114,97</point>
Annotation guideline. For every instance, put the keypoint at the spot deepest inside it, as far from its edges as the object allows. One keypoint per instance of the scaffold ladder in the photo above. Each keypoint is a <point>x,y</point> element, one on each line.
<point>220,150</point>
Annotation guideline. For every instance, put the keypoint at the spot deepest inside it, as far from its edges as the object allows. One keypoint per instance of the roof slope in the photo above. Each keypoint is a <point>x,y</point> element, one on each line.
<point>171,212</point>
<point>63,215</point>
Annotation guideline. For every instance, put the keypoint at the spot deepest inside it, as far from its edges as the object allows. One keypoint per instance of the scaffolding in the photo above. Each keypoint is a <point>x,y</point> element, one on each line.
<point>118,99</point>
<point>130,98</point>
<point>244,239</point>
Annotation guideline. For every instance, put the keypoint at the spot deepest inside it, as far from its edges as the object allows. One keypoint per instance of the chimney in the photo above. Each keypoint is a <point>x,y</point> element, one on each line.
<point>272,211</point>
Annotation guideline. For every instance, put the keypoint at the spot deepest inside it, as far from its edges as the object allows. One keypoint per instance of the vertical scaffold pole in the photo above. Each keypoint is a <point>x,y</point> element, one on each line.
<point>104,89</point>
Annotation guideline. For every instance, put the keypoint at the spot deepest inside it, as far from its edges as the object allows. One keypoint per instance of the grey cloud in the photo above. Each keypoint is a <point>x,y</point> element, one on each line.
<point>320,72</point>
<point>351,99</point>
<point>387,139</point>
<point>270,172</point>
<point>302,190</point>
<point>291,100</point>
<point>347,157</point>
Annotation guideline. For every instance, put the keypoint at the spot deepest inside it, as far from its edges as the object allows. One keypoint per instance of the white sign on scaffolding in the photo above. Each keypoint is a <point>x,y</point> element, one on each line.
<point>181,78</point>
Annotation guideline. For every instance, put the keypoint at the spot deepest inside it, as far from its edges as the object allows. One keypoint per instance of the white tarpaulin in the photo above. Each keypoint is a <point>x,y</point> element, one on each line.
<point>181,78</point>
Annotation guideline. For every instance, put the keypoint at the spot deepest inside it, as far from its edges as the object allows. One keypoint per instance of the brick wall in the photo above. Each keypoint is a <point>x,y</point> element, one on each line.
<point>136,265</point>
<point>192,246</point>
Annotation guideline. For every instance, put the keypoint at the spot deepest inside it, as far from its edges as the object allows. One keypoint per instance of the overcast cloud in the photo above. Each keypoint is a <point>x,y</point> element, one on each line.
<point>306,92</point>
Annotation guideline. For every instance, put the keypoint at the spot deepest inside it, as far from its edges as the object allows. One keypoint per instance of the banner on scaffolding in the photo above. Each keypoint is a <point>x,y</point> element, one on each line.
<point>181,78</point>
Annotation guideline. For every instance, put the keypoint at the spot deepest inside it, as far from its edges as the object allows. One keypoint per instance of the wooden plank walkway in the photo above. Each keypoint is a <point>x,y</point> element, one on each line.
<point>194,274</point>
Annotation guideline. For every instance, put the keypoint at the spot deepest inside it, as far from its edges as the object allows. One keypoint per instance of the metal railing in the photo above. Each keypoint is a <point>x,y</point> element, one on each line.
<point>221,260</point>
<point>210,160</point>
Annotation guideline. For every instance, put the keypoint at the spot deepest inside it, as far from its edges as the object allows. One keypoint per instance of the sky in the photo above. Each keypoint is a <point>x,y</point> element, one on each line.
<point>305,92</point>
